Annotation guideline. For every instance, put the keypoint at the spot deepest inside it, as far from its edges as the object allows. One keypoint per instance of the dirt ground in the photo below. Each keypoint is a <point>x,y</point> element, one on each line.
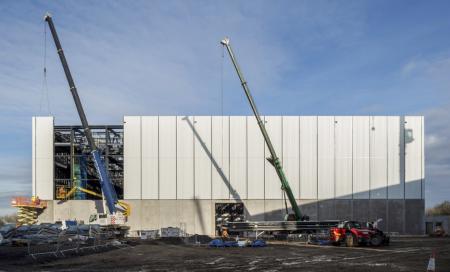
<point>404,254</point>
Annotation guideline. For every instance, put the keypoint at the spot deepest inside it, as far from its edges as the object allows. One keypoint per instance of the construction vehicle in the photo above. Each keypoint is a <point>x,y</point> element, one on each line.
<point>117,210</point>
<point>296,222</point>
<point>28,209</point>
<point>273,159</point>
<point>353,233</point>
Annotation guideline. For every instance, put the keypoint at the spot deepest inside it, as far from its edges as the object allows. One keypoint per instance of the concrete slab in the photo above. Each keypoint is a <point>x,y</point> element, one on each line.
<point>46,216</point>
<point>150,215</point>
<point>395,218</point>
<point>135,218</point>
<point>361,209</point>
<point>168,213</point>
<point>274,210</point>
<point>204,223</point>
<point>75,210</point>
<point>414,216</point>
<point>326,209</point>
<point>187,211</point>
<point>254,210</point>
<point>309,208</point>
<point>378,209</point>
<point>344,209</point>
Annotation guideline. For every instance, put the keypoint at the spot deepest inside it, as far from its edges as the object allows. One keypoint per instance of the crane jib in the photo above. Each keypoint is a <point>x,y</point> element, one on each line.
<point>108,191</point>
<point>274,160</point>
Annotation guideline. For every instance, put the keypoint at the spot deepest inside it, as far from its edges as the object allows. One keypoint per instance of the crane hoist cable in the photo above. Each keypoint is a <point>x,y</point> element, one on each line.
<point>44,89</point>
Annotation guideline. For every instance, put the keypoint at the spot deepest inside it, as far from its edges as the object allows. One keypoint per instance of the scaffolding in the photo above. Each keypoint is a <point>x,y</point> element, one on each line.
<point>74,167</point>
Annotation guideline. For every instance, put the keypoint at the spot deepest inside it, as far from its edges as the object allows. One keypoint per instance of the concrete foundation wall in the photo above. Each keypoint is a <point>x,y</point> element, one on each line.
<point>198,216</point>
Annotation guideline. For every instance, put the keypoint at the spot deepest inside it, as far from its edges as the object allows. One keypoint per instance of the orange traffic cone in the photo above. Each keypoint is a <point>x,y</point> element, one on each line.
<point>431,263</point>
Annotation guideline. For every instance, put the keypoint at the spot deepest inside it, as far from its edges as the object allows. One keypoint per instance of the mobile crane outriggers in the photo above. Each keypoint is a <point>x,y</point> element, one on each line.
<point>115,216</point>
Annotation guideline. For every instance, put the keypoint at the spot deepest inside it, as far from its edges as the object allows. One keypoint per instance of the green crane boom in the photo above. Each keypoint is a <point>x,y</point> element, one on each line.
<point>273,159</point>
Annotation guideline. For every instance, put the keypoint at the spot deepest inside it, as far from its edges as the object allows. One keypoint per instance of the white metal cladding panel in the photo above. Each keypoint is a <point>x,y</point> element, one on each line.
<point>167,157</point>
<point>255,159</point>
<point>132,157</point>
<point>396,180</point>
<point>272,182</point>
<point>423,156</point>
<point>361,162</point>
<point>33,156</point>
<point>220,157</point>
<point>43,156</point>
<point>378,157</point>
<point>291,147</point>
<point>343,157</point>
<point>185,157</point>
<point>150,143</point>
<point>238,157</point>
<point>308,157</point>
<point>413,157</point>
<point>325,126</point>
<point>203,155</point>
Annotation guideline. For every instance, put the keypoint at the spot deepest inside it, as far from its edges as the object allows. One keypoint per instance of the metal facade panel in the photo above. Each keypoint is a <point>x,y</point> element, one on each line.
<point>343,157</point>
<point>396,179</point>
<point>202,156</point>
<point>185,157</point>
<point>255,159</point>
<point>150,145</point>
<point>43,152</point>
<point>413,157</point>
<point>423,155</point>
<point>167,157</point>
<point>325,125</point>
<point>361,162</point>
<point>33,156</point>
<point>291,154</point>
<point>308,157</point>
<point>220,157</point>
<point>378,157</point>
<point>272,182</point>
<point>132,157</point>
<point>238,157</point>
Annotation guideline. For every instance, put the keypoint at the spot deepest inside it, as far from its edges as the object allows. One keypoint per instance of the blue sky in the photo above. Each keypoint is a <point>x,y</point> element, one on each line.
<point>164,58</point>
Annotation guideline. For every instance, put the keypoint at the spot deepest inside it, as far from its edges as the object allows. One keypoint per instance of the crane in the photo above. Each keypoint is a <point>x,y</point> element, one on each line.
<point>273,159</point>
<point>108,191</point>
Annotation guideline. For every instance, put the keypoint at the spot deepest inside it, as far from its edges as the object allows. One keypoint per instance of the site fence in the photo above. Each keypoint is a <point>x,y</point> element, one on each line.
<point>74,241</point>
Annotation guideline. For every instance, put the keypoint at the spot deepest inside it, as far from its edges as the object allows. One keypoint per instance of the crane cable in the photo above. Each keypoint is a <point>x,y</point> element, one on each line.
<point>44,89</point>
<point>221,102</point>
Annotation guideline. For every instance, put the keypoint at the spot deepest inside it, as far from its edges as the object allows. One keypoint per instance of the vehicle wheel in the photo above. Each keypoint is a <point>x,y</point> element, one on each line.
<point>336,243</point>
<point>376,240</point>
<point>386,241</point>
<point>351,240</point>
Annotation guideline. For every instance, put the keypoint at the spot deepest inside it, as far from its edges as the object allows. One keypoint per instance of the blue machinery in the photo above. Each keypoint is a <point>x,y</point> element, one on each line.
<point>107,188</point>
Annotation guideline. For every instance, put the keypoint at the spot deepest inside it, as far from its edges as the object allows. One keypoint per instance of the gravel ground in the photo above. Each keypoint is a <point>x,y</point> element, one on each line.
<point>404,254</point>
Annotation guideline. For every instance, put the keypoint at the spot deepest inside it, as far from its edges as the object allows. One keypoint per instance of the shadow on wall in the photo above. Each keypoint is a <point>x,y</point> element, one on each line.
<point>405,216</point>
<point>234,193</point>
<point>399,215</point>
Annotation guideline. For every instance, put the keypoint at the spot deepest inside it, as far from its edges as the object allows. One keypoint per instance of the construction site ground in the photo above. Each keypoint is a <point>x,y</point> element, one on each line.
<point>404,254</point>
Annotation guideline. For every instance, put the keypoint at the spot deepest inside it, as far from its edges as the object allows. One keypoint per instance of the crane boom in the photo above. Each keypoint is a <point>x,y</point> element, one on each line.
<point>107,187</point>
<point>273,159</point>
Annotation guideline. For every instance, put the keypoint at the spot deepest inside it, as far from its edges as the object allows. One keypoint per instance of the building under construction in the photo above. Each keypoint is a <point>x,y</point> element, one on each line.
<point>196,172</point>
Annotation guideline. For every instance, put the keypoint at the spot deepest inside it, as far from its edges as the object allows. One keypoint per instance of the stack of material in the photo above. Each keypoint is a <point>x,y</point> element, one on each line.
<point>148,234</point>
<point>171,232</point>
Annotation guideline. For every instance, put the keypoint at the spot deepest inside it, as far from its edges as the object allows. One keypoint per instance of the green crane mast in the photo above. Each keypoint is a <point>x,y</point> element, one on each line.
<point>273,159</point>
